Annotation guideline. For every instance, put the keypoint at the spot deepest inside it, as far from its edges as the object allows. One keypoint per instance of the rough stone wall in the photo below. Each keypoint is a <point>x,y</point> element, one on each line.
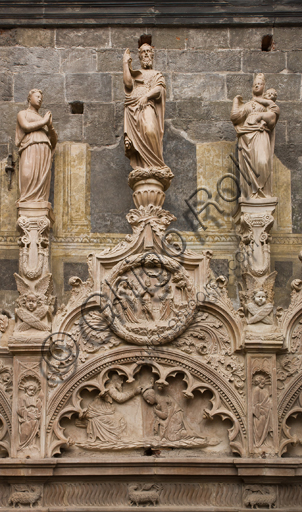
<point>204,69</point>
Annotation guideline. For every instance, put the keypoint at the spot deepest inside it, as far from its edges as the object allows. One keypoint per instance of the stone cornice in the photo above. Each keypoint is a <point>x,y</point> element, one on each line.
<point>194,13</point>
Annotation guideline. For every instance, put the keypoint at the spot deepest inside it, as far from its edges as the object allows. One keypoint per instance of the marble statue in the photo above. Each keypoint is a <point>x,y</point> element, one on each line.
<point>36,140</point>
<point>255,123</point>
<point>145,97</point>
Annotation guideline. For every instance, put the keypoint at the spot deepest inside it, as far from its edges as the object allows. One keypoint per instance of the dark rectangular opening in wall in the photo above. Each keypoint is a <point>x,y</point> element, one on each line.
<point>77,107</point>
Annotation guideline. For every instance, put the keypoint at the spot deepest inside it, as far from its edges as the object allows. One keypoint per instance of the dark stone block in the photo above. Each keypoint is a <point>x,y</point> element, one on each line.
<point>85,37</point>
<point>197,110</point>
<point>285,272</point>
<point>110,60</point>
<point>3,151</point>
<point>171,110</point>
<point>206,131</point>
<point>220,267</point>
<point>78,60</point>
<point>194,61</point>
<point>6,87</point>
<point>8,37</point>
<point>30,60</point>
<point>263,62</point>
<point>174,38</point>
<point>208,38</point>
<point>287,86</point>
<point>180,156</point>
<point>99,126</point>
<point>7,270</point>
<point>126,37</point>
<point>288,38</point>
<point>35,37</point>
<point>280,133</point>
<point>249,38</point>
<point>74,269</point>
<point>67,125</point>
<point>294,61</point>
<point>239,84</point>
<point>291,110</point>
<point>111,197</point>
<point>88,87</point>
<point>8,115</point>
<point>206,87</point>
<point>52,86</point>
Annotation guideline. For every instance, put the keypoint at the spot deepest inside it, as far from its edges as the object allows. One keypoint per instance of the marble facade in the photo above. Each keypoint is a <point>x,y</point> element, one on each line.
<point>159,380</point>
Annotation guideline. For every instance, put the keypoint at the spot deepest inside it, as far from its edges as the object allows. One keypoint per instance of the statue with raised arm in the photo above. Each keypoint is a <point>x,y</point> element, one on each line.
<point>255,123</point>
<point>145,98</point>
<point>36,140</point>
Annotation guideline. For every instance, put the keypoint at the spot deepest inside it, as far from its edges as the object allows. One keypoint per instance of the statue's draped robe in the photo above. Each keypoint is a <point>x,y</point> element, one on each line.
<point>35,161</point>
<point>262,415</point>
<point>104,422</point>
<point>255,149</point>
<point>145,127</point>
<point>29,413</point>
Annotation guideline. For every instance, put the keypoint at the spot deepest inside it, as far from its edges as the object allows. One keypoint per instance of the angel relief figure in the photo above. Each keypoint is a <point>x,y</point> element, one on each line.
<point>258,300</point>
<point>35,306</point>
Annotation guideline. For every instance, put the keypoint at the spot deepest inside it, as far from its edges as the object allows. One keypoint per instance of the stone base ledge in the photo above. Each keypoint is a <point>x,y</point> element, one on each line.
<point>270,470</point>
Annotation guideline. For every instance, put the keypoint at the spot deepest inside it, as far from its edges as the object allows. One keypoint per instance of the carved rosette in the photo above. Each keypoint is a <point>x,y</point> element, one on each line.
<point>148,299</point>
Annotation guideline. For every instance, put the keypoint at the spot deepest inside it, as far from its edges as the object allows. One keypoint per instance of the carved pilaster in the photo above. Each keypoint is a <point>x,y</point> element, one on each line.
<point>28,439</point>
<point>33,314</point>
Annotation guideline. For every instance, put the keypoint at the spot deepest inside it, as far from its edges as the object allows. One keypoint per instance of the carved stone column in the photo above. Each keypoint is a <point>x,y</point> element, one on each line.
<point>261,336</point>
<point>33,318</point>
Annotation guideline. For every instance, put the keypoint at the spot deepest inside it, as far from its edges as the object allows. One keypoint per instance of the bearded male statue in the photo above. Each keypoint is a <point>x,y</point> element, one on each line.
<point>145,98</point>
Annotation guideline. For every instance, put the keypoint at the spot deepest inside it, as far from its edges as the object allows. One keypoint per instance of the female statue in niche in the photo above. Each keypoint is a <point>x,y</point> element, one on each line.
<point>36,140</point>
<point>145,98</point>
<point>255,123</point>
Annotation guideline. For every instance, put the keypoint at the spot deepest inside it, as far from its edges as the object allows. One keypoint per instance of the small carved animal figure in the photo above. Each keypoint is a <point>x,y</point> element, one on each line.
<point>143,494</point>
<point>24,495</point>
<point>258,499</point>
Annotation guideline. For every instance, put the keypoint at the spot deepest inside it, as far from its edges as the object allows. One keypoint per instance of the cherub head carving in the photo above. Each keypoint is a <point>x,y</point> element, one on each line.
<point>258,290</point>
<point>260,297</point>
<point>29,298</point>
<point>30,384</point>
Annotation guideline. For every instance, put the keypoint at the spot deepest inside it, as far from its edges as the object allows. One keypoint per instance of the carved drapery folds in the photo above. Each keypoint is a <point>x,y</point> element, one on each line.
<point>161,389</point>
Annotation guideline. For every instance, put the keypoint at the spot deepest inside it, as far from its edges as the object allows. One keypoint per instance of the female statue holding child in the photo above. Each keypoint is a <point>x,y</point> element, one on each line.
<point>255,123</point>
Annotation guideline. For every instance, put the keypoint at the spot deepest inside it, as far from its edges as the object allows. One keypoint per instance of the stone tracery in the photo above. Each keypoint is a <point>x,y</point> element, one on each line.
<point>151,332</point>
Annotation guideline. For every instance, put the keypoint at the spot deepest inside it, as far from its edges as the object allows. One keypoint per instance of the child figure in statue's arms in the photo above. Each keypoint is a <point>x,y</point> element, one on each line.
<point>268,119</point>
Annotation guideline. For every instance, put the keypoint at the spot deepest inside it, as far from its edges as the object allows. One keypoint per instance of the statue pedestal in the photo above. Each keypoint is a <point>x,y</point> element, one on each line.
<point>254,220</point>
<point>255,206</point>
<point>36,209</point>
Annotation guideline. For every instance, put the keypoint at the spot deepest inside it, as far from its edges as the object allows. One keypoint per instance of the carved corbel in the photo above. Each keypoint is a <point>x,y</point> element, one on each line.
<point>33,242</point>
